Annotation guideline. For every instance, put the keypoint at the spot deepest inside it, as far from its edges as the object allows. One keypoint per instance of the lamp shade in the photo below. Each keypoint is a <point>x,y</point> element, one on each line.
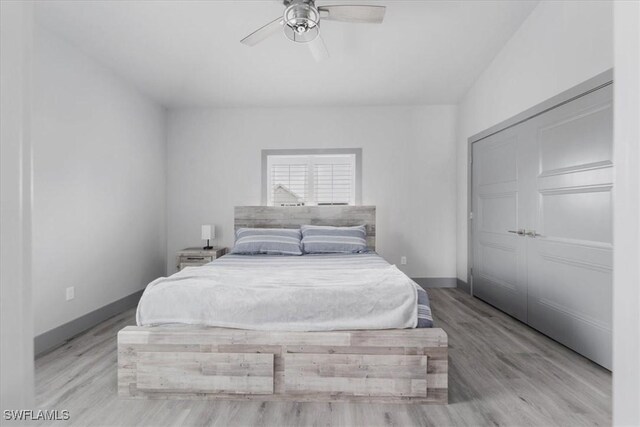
<point>208,232</point>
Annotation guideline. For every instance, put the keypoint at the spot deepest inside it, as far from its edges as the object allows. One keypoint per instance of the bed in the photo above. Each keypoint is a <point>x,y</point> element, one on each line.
<point>259,327</point>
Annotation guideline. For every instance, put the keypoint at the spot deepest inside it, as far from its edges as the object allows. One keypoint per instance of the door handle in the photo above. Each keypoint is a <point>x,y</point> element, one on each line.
<point>519,232</point>
<point>532,233</point>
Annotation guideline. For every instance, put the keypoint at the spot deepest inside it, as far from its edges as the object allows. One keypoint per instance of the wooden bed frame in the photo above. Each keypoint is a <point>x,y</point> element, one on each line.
<point>195,362</point>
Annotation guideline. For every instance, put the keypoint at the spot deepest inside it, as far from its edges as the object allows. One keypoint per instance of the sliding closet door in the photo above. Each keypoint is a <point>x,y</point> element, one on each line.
<point>499,266</point>
<point>569,263</point>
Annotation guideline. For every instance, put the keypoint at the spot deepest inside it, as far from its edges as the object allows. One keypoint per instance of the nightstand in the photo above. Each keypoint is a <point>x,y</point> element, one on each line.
<point>195,257</point>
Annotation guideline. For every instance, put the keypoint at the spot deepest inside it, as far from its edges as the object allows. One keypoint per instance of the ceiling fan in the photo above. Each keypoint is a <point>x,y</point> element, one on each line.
<point>301,23</point>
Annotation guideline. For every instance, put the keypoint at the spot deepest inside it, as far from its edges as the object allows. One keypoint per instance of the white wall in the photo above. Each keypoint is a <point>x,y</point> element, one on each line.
<point>99,185</point>
<point>561,44</point>
<point>16,316</point>
<point>626,276</point>
<point>408,172</point>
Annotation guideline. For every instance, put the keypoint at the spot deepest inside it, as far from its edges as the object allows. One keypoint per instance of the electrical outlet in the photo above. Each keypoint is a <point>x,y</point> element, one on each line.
<point>71,293</point>
<point>403,260</point>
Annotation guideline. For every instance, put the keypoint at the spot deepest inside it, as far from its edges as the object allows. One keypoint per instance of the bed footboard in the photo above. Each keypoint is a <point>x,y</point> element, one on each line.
<point>193,362</point>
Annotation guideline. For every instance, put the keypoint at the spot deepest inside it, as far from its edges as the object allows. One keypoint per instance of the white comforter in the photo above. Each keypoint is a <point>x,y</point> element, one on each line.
<point>285,300</point>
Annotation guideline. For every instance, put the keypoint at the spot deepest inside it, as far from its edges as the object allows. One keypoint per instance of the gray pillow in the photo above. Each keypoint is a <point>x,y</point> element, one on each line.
<point>273,241</point>
<point>326,239</point>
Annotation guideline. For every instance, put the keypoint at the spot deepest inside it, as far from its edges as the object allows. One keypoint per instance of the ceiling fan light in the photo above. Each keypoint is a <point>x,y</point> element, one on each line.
<point>301,22</point>
<point>306,36</point>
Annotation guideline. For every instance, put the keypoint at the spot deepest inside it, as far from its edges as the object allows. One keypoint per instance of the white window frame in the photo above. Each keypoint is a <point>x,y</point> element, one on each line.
<point>311,158</point>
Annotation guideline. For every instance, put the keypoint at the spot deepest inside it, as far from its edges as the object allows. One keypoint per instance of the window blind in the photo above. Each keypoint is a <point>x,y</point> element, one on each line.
<point>289,183</point>
<point>333,184</point>
<point>298,180</point>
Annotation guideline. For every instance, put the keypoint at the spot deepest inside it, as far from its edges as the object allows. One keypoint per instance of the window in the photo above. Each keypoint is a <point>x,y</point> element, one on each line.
<point>310,177</point>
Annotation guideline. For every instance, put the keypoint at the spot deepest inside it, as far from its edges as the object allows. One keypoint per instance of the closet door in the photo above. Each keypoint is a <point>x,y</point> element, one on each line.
<point>569,240</point>
<point>499,263</point>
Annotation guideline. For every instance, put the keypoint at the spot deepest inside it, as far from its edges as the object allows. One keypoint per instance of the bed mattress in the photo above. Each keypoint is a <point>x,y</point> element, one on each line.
<point>297,293</point>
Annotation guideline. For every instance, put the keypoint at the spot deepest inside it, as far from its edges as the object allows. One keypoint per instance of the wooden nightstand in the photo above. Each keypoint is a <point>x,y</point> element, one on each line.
<point>195,257</point>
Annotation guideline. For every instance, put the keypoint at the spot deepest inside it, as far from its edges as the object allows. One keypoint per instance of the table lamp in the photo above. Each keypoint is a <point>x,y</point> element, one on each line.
<point>208,233</point>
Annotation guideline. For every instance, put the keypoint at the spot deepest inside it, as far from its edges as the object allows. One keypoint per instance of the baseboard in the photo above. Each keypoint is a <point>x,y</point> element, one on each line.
<point>436,282</point>
<point>464,286</point>
<point>59,336</point>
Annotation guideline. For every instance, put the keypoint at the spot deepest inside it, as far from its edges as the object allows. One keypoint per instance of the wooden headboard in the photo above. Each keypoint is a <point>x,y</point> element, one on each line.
<point>295,216</point>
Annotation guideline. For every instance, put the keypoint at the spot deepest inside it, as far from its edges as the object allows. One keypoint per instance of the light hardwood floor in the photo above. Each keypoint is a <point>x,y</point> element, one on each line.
<point>501,372</point>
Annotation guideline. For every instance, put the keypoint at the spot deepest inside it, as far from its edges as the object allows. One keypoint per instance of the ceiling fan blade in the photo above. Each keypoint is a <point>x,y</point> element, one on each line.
<point>353,13</point>
<point>318,49</point>
<point>263,32</point>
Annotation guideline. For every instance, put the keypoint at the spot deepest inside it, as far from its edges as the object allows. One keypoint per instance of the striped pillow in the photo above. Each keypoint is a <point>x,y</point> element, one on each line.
<point>325,239</point>
<point>273,241</point>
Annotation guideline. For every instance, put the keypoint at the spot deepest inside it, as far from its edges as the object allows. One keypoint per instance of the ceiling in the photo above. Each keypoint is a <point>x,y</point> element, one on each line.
<point>188,54</point>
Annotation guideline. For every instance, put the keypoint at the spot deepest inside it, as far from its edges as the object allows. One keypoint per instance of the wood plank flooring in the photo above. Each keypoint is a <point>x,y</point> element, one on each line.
<point>501,372</point>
